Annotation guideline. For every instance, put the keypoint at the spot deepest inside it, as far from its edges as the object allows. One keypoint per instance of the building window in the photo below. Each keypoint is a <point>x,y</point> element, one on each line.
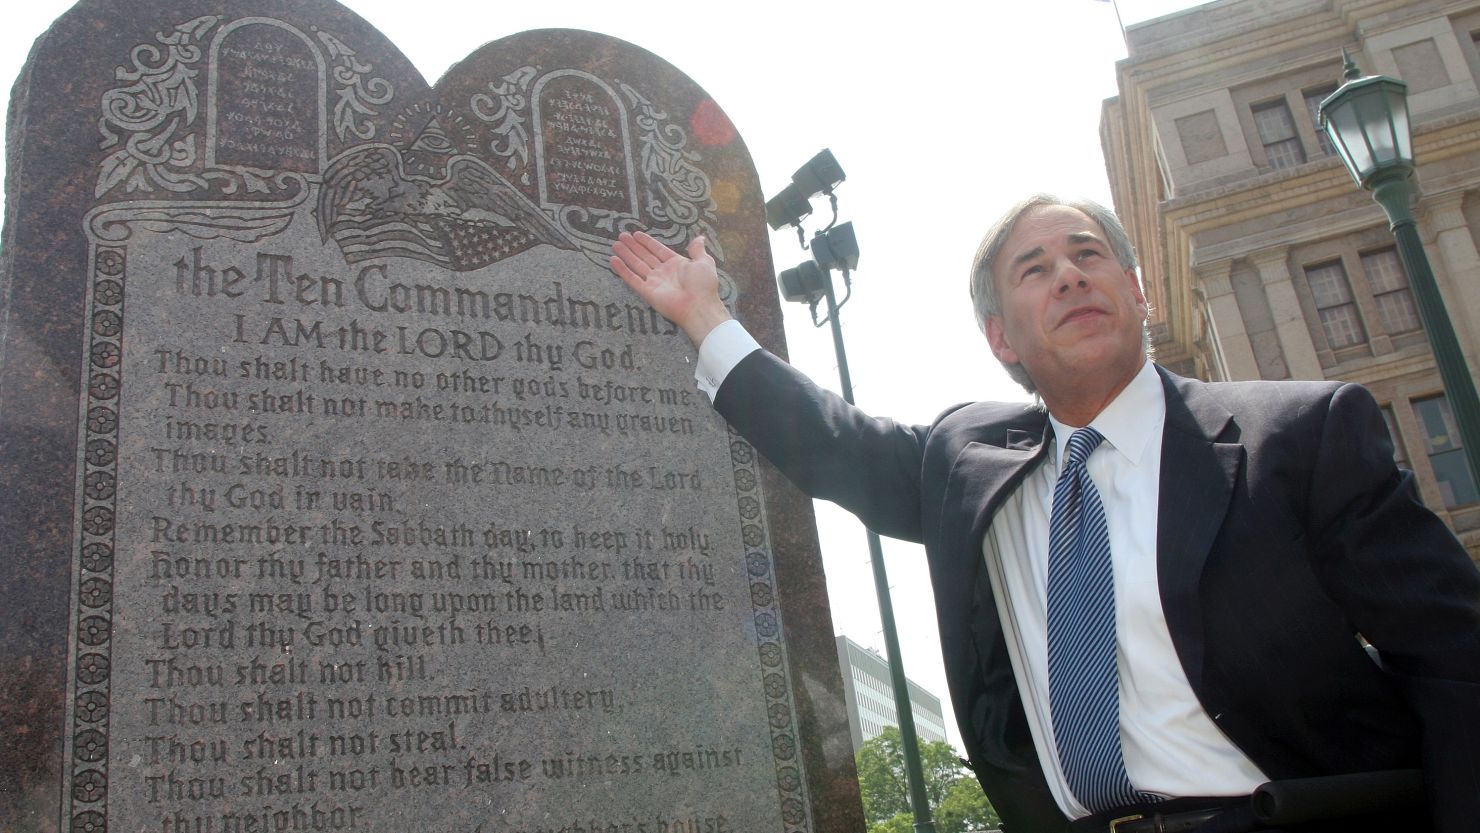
<point>1313,99</point>
<point>1277,134</point>
<point>1334,305</point>
<point>1389,282</point>
<point>1400,454</point>
<point>1446,451</point>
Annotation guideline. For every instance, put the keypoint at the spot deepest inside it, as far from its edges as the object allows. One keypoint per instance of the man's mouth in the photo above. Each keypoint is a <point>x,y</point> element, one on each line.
<point>1080,314</point>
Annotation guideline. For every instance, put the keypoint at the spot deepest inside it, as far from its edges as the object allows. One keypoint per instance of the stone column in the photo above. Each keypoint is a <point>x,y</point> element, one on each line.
<point>1457,269</point>
<point>1289,321</point>
<point>1229,330</point>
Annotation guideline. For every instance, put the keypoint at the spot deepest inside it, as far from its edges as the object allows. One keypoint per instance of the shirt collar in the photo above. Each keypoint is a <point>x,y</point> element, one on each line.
<point>1128,422</point>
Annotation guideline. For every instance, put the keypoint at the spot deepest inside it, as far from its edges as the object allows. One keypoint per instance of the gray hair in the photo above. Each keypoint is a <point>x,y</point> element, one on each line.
<point>984,296</point>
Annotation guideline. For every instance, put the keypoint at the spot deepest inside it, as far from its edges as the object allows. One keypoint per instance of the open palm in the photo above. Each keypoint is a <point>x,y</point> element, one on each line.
<point>685,290</point>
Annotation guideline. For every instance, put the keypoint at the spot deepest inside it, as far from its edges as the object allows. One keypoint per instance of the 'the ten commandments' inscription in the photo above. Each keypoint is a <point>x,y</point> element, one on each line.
<point>377,542</point>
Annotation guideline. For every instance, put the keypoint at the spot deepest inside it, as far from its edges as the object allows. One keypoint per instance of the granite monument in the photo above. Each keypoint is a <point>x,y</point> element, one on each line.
<point>344,487</point>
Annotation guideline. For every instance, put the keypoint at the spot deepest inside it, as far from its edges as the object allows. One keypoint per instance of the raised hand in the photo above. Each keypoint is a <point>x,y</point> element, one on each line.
<point>685,290</point>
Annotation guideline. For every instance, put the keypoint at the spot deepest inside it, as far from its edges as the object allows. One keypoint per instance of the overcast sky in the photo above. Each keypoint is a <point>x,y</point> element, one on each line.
<point>941,119</point>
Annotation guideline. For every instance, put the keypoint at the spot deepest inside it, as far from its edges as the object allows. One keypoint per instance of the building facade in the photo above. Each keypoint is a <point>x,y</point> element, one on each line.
<point>1260,256</point>
<point>870,694</point>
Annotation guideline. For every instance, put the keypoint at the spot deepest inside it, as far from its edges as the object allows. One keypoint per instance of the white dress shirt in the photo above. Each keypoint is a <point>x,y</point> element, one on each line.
<point>1171,745</point>
<point>722,349</point>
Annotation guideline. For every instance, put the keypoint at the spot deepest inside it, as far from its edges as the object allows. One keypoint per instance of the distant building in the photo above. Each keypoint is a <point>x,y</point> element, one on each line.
<point>870,694</point>
<point>1260,256</point>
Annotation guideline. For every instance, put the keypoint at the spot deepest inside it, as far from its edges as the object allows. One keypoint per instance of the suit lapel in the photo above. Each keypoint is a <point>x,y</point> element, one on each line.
<point>980,480</point>
<point>1198,474</point>
<point>983,477</point>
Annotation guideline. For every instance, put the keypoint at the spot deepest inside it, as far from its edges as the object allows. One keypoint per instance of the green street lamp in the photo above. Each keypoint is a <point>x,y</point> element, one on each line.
<point>1367,121</point>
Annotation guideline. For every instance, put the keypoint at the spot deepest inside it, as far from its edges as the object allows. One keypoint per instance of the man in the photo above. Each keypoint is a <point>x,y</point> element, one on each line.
<point>1153,592</point>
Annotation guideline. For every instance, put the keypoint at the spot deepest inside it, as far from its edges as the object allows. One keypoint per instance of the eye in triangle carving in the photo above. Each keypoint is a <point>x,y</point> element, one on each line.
<point>463,219</point>
<point>428,136</point>
<point>433,139</point>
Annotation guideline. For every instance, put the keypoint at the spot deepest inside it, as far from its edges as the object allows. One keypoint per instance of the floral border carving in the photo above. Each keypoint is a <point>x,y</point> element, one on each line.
<point>88,721</point>
<point>678,192</point>
<point>151,119</point>
<point>357,97</point>
<point>153,112</point>
<point>506,106</point>
<point>770,646</point>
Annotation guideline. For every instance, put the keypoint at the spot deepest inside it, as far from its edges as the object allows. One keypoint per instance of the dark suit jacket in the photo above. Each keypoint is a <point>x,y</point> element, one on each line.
<point>1285,531</point>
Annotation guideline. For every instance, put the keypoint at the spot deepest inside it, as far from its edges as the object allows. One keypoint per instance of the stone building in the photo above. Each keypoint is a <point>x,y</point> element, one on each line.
<point>1261,257</point>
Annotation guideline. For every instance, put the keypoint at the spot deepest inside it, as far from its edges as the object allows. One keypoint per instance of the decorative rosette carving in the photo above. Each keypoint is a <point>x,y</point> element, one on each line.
<point>96,519</point>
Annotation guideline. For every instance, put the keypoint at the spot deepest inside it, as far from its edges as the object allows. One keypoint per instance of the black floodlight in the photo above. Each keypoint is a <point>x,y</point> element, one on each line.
<point>820,175</point>
<point>836,248</point>
<point>806,284</point>
<point>787,208</point>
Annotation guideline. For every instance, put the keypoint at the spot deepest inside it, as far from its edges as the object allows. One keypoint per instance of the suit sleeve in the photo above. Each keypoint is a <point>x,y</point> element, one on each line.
<point>1409,588</point>
<point>828,448</point>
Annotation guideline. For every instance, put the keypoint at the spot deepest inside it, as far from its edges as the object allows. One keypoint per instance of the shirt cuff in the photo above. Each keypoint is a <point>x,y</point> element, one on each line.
<point>722,349</point>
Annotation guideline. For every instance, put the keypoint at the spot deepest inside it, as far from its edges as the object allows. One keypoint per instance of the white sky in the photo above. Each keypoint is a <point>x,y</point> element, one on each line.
<point>941,120</point>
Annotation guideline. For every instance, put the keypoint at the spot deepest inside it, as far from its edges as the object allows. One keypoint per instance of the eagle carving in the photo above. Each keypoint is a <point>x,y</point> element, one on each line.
<point>465,220</point>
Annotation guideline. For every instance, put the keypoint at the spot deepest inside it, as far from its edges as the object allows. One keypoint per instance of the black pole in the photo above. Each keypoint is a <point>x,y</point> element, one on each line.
<point>914,773</point>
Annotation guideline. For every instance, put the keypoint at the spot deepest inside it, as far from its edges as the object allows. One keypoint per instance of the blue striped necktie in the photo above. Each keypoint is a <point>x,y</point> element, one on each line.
<point>1083,683</point>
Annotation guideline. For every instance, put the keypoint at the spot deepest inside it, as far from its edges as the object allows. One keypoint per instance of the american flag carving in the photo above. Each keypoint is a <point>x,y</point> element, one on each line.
<point>469,218</point>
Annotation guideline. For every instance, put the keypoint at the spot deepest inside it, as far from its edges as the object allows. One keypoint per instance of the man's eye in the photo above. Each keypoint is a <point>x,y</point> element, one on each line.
<point>1031,271</point>
<point>1088,253</point>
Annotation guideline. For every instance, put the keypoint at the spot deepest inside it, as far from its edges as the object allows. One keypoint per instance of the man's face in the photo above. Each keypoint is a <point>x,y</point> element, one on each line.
<point>1069,312</point>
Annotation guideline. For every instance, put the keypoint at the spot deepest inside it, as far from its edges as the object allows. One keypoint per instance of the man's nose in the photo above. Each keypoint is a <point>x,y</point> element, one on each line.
<point>1069,277</point>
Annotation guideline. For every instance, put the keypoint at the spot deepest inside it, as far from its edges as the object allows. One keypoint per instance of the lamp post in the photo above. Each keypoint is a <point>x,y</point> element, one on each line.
<point>1367,121</point>
<point>836,247</point>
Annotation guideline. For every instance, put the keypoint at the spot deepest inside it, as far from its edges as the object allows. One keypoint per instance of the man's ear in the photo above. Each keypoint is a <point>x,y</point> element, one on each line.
<point>1140,296</point>
<point>997,339</point>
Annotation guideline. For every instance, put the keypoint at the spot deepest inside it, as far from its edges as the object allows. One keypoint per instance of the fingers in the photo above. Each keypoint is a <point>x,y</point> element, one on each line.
<point>633,259</point>
<point>653,248</point>
<point>628,276</point>
<point>641,252</point>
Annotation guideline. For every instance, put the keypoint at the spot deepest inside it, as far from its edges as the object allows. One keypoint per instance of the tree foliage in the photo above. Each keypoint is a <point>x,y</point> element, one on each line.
<point>956,800</point>
<point>965,807</point>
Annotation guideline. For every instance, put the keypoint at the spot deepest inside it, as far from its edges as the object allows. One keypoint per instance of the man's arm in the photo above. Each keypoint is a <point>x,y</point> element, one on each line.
<point>1409,587</point>
<point>828,448</point>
